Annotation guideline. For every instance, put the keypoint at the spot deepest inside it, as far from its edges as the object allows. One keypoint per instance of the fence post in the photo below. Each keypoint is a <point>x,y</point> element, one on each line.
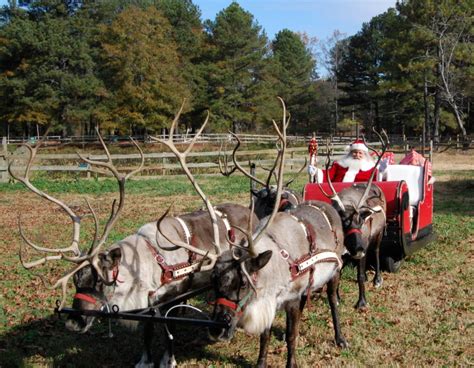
<point>4,175</point>
<point>431,151</point>
<point>163,170</point>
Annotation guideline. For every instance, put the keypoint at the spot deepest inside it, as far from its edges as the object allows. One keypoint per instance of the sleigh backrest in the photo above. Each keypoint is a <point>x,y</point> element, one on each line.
<point>412,175</point>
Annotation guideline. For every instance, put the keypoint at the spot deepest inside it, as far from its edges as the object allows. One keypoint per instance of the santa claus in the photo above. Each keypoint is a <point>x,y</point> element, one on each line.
<point>356,165</point>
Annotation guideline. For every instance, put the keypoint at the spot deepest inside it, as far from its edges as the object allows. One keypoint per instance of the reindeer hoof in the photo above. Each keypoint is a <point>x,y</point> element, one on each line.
<point>378,283</point>
<point>145,362</point>
<point>168,361</point>
<point>342,343</point>
<point>361,306</point>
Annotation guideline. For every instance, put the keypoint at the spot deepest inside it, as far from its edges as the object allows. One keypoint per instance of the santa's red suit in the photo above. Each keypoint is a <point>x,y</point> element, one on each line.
<point>349,169</point>
<point>341,171</point>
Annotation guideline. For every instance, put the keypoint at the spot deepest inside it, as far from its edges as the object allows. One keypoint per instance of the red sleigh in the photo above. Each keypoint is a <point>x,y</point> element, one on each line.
<point>408,190</point>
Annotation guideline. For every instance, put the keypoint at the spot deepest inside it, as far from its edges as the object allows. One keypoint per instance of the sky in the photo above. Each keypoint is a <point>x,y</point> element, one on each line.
<point>318,18</point>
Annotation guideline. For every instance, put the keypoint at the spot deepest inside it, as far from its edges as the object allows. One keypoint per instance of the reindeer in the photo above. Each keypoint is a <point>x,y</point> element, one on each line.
<point>264,199</point>
<point>362,208</point>
<point>292,254</point>
<point>142,269</point>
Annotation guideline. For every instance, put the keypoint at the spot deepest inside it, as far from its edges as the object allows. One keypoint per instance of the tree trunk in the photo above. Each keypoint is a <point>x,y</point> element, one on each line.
<point>436,114</point>
<point>426,122</point>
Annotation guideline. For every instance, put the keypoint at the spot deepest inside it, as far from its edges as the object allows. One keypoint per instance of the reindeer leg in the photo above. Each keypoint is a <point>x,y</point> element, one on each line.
<point>146,360</point>
<point>378,276</point>
<point>293,318</point>
<point>264,342</point>
<point>361,278</point>
<point>332,292</point>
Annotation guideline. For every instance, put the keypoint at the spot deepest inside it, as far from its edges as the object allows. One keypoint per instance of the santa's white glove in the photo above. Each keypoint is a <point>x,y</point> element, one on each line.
<point>315,173</point>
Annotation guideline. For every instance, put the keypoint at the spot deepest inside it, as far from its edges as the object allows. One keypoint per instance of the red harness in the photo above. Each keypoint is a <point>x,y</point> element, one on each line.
<point>168,275</point>
<point>352,231</point>
<point>86,298</point>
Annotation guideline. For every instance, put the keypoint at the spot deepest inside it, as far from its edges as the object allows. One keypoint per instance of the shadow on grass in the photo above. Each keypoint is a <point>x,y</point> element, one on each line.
<point>46,342</point>
<point>454,196</point>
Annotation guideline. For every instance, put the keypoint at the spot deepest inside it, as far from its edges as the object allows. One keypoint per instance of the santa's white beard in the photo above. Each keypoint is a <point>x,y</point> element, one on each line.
<point>354,166</point>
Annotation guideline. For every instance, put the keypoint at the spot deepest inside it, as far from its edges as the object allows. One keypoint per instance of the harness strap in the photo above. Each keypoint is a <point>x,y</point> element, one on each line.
<point>187,232</point>
<point>115,275</point>
<point>86,298</point>
<point>283,203</point>
<point>171,272</point>
<point>239,307</point>
<point>293,195</point>
<point>230,230</point>
<point>322,213</point>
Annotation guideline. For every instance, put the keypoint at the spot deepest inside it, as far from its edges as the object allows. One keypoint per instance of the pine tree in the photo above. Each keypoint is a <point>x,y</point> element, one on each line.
<point>238,92</point>
<point>140,66</point>
<point>293,69</point>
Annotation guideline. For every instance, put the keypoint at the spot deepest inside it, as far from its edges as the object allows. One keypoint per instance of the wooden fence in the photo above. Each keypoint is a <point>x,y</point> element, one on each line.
<point>166,164</point>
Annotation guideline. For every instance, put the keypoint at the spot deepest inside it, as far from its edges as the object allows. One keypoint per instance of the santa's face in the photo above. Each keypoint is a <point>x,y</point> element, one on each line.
<point>357,154</point>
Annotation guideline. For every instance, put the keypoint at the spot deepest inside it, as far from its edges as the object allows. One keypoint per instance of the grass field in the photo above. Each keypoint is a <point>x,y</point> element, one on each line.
<point>422,316</point>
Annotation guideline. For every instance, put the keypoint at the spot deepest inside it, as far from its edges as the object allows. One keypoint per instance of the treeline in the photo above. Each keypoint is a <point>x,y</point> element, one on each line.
<point>126,66</point>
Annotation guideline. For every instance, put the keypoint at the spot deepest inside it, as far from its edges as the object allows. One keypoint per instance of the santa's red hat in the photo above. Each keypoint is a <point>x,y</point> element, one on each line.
<point>358,144</point>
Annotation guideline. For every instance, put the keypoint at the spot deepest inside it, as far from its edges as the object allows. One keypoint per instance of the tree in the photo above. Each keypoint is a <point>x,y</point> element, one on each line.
<point>140,67</point>
<point>364,72</point>
<point>440,47</point>
<point>47,70</point>
<point>294,71</point>
<point>235,72</point>
<point>332,50</point>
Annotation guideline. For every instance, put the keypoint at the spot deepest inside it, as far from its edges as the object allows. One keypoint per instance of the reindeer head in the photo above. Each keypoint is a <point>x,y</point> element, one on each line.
<point>232,281</point>
<point>264,199</point>
<point>353,219</point>
<point>92,290</point>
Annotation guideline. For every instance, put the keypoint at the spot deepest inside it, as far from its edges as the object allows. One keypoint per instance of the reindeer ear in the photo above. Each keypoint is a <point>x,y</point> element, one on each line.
<point>259,262</point>
<point>111,258</point>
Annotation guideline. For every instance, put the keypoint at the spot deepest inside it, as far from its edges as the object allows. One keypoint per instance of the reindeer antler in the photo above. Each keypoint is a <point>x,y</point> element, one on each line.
<point>237,164</point>
<point>334,196</point>
<point>181,156</point>
<point>224,167</point>
<point>253,239</point>
<point>90,258</point>
<point>379,157</point>
<point>287,184</point>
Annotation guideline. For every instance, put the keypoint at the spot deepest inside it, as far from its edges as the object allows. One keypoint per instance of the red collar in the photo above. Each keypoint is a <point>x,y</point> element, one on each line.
<point>86,298</point>
<point>352,231</point>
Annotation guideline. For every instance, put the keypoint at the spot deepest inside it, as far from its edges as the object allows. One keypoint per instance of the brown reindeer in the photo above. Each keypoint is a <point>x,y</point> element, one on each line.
<point>362,208</point>
<point>265,198</point>
<point>291,255</point>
